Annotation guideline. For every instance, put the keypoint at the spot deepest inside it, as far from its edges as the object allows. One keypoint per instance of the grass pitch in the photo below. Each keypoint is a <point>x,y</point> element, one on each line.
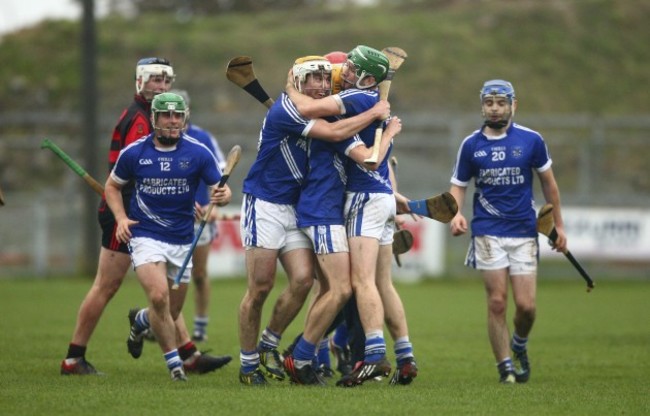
<point>590,355</point>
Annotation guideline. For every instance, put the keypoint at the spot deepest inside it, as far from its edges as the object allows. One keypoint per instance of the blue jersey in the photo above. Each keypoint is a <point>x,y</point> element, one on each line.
<point>165,186</point>
<point>322,197</point>
<point>203,136</point>
<point>361,179</point>
<point>279,170</point>
<point>503,171</point>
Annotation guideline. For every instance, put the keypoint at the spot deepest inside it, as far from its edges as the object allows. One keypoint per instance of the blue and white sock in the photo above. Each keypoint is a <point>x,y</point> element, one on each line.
<point>375,348</point>
<point>304,353</point>
<point>269,340</point>
<point>201,324</point>
<point>518,344</point>
<point>142,320</point>
<point>323,355</point>
<point>505,365</point>
<point>172,359</point>
<point>250,360</point>
<point>403,349</point>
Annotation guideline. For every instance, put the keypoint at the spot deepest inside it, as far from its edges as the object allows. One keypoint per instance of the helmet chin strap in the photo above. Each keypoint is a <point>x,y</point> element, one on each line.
<point>496,125</point>
<point>167,140</point>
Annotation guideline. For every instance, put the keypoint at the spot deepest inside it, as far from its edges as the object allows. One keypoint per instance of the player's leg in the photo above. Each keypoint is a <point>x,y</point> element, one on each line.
<point>298,264</point>
<point>261,267</point>
<point>523,279</point>
<point>335,290</point>
<point>112,267</point>
<point>363,256</point>
<point>496,289</point>
<point>153,279</point>
<point>395,318</point>
<point>366,219</point>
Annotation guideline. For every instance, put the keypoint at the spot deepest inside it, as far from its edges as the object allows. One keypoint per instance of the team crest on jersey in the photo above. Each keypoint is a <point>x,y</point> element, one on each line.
<point>184,163</point>
<point>517,151</point>
<point>140,129</point>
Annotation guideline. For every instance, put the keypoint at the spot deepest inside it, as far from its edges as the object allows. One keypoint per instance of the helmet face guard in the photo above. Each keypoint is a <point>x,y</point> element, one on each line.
<point>368,62</point>
<point>497,88</point>
<point>337,59</point>
<point>148,67</point>
<point>310,65</point>
<point>171,103</point>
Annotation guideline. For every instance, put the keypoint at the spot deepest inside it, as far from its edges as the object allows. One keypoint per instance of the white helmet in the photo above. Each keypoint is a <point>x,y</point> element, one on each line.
<point>148,67</point>
<point>309,65</point>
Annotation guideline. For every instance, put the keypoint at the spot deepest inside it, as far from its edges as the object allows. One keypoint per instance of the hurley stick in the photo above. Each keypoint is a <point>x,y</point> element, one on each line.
<point>546,226</point>
<point>402,239</point>
<point>231,162</point>
<point>240,72</point>
<point>396,57</point>
<point>97,187</point>
<point>441,207</point>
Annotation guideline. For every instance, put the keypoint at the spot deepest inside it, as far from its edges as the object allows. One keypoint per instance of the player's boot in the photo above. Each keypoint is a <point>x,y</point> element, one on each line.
<point>79,367</point>
<point>343,358</point>
<point>271,360</point>
<point>305,375</point>
<point>202,363</point>
<point>364,370</point>
<point>136,338</point>
<point>405,372</point>
<point>178,374</point>
<point>253,378</point>
<point>325,371</point>
<point>507,377</point>
<point>522,366</point>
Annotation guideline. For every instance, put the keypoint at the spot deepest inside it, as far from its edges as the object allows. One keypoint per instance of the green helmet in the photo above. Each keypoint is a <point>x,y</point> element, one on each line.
<point>171,103</point>
<point>368,61</point>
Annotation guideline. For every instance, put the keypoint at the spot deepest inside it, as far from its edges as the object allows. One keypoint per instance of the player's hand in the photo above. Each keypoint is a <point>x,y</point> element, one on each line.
<point>382,110</point>
<point>221,196</point>
<point>402,203</point>
<point>561,241</point>
<point>289,81</point>
<point>393,126</point>
<point>122,231</point>
<point>458,225</point>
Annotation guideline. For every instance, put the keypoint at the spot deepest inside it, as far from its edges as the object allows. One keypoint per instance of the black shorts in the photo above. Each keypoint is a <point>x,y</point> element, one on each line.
<point>108,226</point>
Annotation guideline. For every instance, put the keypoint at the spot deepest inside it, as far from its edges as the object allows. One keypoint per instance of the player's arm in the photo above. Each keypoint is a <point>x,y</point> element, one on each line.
<point>400,200</point>
<point>458,224</point>
<point>360,153</point>
<point>113,193</point>
<point>314,108</point>
<point>347,127</point>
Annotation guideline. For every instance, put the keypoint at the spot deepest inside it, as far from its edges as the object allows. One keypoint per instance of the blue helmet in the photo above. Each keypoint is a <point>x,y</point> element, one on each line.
<point>498,88</point>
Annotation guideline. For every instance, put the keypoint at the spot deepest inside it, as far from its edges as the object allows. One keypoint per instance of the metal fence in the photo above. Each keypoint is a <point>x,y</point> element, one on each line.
<point>598,161</point>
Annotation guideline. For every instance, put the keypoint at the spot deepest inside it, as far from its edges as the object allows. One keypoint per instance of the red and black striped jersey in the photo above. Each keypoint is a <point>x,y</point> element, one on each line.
<point>134,123</point>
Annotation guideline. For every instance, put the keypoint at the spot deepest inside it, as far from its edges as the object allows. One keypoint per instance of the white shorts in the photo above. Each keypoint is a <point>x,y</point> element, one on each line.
<point>264,224</point>
<point>493,253</point>
<point>208,234</point>
<point>147,250</point>
<point>328,239</point>
<point>370,215</point>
